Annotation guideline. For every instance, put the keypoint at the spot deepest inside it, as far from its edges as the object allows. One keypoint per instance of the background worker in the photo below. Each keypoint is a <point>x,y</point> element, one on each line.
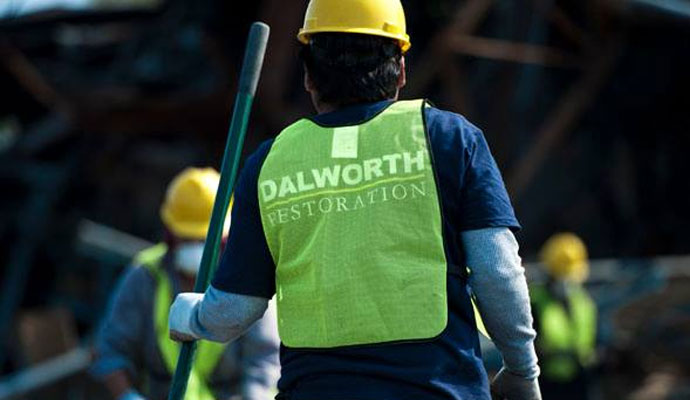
<point>362,219</point>
<point>134,348</point>
<point>565,318</point>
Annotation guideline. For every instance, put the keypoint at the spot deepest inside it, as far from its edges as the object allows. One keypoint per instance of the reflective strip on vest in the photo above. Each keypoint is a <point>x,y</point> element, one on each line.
<point>565,339</point>
<point>208,353</point>
<point>352,218</point>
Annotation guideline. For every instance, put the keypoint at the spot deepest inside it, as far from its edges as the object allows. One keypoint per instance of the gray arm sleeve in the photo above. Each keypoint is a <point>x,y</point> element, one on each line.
<point>260,364</point>
<point>119,343</point>
<point>498,282</point>
<point>223,317</point>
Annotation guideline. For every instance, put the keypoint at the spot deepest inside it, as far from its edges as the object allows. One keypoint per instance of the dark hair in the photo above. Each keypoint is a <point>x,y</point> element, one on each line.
<point>352,68</point>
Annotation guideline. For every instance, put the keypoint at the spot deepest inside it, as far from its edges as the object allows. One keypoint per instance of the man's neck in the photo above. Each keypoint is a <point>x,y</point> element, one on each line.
<point>324,108</point>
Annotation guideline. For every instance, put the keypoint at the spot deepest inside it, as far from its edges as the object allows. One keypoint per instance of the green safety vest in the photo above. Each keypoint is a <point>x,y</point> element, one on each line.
<point>208,353</point>
<point>566,340</point>
<point>352,219</point>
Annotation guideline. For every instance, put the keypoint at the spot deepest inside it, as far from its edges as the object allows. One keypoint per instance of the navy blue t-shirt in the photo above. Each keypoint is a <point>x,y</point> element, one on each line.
<point>473,196</point>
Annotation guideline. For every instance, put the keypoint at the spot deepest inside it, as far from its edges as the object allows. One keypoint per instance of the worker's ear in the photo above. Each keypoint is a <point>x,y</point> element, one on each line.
<point>308,83</point>
<point>311,89</point>
<point>402,79</point>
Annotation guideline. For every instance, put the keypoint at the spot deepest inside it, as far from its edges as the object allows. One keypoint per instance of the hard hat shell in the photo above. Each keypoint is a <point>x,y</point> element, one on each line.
<point>188,204</point>
<point>371,17</point>
<point>564,256</point>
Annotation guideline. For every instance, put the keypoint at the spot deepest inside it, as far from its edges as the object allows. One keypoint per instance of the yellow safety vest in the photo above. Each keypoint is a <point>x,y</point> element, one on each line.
<point>355,230</point>
<point>208,353</point>
<point>566,340</point>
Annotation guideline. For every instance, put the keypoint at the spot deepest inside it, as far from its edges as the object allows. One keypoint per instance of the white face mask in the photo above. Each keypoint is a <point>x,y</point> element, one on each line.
<point>187,257</point>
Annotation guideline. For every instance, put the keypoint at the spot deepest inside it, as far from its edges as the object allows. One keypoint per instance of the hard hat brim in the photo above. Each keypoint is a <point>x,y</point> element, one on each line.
<point>404,40</point>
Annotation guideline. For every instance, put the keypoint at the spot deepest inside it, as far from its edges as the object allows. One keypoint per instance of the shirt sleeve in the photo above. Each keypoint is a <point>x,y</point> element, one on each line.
<point>118,344</point>
<point>260,365</point>
<point>246,266</point>
<point>498,281</point>
<point>471,185</point>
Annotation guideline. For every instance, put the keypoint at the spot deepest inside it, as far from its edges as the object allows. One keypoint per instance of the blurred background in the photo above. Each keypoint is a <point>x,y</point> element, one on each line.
<point>584,104</point>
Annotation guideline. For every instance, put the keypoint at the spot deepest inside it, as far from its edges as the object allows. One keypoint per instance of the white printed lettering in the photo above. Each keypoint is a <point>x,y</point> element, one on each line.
<point>418,160</point>
<point>421,189</point>
<point>269,189</point>
<point>359,203</point>
<point>295,212</point>
<point>332,175</point>
<point>340,203</point>
<point>372,168</point>
<point>392,160</point>
<point>302,186</point>
<point>272,218</point>
<point>352,174</point>
<point>399,192</point>
<point>286,187</point>
<point>309,205</point>
<point>282,215</point>
<point>323,208</point>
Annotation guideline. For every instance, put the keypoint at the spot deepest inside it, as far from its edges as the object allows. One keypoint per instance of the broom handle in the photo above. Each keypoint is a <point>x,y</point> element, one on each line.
<point>249,79</point>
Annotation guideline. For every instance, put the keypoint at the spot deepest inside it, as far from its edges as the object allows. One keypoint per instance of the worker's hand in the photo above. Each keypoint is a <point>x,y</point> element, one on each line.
<point>508,386</point>
<point>181,337</point>
<point>182,315</point>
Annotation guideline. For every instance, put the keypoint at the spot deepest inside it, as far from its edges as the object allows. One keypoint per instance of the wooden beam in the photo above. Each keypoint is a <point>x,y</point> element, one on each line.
<point>454,87</point>
<point>274,108</point>
<point>30,78</point>
<point>502,50</point>
<point>466,20</point>
<point>567,27</point>
<point>468,17</point>
<point>563,118</point>
<point>19,384</point>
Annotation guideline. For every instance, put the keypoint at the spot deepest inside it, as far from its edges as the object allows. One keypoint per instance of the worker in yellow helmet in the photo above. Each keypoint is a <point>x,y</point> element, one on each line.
<point>135,356</point>
<point>362,219</point>
<point>565,317</point>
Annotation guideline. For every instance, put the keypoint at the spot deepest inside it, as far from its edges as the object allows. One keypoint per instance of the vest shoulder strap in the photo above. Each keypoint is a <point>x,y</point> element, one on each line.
<point>151,257</point>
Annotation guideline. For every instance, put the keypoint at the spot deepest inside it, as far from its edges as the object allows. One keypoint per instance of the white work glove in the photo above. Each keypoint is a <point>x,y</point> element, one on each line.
<point>131,395</point>
<point>182,316</point>
<point>508,386</point>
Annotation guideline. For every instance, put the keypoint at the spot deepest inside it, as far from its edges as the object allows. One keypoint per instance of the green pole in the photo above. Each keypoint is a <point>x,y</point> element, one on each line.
<point>249,79</point>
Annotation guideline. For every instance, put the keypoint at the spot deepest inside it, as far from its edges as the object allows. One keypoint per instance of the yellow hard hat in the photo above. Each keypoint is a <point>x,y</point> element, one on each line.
<point>188,204</point>
<point>564,256</point>
<point>371,17</point>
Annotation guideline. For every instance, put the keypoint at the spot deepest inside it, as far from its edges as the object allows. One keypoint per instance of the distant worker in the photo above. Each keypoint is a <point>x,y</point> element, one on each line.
<point>566,319</point>
<point>362,219</point>
<point>133,346</point>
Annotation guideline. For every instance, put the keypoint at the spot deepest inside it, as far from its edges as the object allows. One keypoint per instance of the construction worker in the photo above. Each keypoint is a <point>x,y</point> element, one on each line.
<point>133,346</point>
<point>362,219</point>
<point>565,317</point>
